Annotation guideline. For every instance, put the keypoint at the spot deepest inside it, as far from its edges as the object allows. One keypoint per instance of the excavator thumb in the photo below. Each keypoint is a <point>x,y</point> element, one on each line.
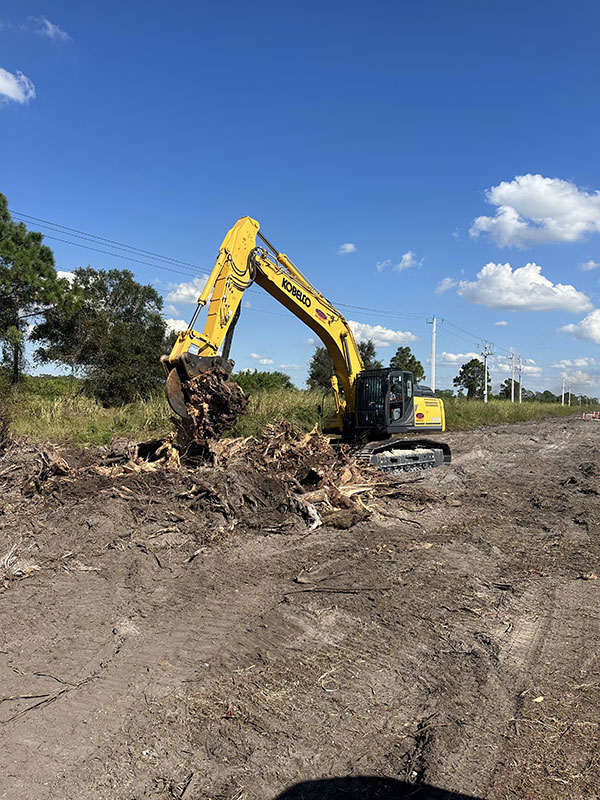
<point>182,369</point>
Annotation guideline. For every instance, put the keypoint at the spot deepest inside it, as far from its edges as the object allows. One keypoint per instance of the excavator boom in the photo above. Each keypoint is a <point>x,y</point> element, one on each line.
<point>240,263</point>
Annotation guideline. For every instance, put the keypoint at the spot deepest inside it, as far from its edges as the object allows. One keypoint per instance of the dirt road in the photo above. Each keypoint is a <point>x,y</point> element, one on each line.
<point>447,646</point>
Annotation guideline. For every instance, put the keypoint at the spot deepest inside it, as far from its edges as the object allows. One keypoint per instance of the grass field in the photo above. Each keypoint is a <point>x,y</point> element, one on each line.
<point>68,416</point>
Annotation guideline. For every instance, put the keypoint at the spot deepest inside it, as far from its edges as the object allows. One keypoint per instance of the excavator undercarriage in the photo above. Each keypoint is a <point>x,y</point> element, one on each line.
<point>398,455</point>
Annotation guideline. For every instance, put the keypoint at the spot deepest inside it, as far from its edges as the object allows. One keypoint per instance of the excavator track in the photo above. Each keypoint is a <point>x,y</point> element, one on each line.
<point>397,456</point>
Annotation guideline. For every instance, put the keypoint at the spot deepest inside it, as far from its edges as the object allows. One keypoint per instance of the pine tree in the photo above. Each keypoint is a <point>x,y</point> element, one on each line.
<point>320,370</point>
<point>369,355</point>
<point>404,359</point>
<point>28,285</point>
<point>472,377</point>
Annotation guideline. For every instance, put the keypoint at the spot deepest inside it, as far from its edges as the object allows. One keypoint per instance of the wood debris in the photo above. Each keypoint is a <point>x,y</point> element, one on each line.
<point>214,404</point>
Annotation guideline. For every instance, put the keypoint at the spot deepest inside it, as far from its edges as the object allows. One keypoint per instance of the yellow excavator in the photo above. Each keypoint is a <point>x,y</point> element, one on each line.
<point>374,406</point>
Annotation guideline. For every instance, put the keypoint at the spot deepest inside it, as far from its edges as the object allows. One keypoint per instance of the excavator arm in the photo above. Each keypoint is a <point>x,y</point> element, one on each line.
<point>240,263</point>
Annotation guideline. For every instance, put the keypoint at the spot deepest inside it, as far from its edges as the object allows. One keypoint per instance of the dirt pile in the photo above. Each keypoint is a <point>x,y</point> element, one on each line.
<point>280,482</point>
<point>329,482</point>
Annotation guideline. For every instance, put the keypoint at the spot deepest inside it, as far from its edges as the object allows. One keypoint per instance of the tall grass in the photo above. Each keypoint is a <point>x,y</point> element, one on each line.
<point>462,414</point>
<point>82,420</point>
<point>298,407</point>
<point>79,419</point>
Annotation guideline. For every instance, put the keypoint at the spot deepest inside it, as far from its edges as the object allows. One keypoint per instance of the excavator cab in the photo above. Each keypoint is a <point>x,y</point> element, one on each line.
<point>389,402</point>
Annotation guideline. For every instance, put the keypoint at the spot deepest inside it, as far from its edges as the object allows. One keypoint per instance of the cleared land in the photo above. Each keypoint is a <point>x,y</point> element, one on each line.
<point>185,634</point>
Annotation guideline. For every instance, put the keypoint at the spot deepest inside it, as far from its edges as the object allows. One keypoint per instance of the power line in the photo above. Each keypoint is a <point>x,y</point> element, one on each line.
<point>131,251</point>
<point>395,314</point>
<point>479,338</point>
<point>92,236</point>
<point>458,341</point>
<point>118,255</point>
<point>57,227</point>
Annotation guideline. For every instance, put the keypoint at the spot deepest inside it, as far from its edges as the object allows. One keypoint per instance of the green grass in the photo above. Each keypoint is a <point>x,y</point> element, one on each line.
<point>82,420</point>
<point>296,406</point>
<point>462,414</point>
<point>78,419</point>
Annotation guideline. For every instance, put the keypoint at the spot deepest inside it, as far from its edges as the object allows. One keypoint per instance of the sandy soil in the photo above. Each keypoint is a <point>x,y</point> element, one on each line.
<point>183,635</point>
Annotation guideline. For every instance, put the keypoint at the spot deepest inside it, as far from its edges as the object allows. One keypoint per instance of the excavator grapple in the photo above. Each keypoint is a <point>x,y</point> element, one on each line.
<point>184,368</point>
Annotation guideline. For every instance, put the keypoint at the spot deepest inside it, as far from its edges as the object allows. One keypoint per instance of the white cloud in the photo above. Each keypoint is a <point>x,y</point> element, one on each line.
<point>578,378</point>
<point>445,284</point>
<point>310,341</point>
<point>15,87</point>
<point>581,378</point>
<point>588,265</point>
<point>186,292</point>
<point>408,260</point>
<point>587,328</point>
<point>380,336</point>
<point>457,358</point>
<point>347,247</point>
<point>68,276</point>
<point>524,289</point>
<point>503,364</point>
<point>580,363</point>
<point>176,325</point>
<point>246,304</point>
<point>50,30</point>
<point>290,366</point>
<point>532,209</point>
<point>502,323</point>
<point>261,359</point>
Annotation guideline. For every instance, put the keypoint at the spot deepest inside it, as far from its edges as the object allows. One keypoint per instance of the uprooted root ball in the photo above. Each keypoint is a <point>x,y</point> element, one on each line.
<point>214,404</point>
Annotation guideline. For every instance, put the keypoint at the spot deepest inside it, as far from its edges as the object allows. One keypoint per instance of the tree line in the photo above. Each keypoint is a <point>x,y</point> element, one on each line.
<point>469,383</point>
<point>102,324</point>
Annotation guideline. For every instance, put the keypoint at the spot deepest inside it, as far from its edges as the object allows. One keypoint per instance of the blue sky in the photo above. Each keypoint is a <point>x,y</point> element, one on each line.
<point>435,138</point>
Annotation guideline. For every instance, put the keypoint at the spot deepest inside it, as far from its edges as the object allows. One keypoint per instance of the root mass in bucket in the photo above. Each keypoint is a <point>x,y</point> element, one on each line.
<point>214,404</point>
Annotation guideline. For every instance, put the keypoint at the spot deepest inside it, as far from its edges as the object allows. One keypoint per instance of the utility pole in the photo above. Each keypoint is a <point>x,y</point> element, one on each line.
<point>512,378</point>
<point>433,322</point>
<point>486,353</point>
<point>520,380</point>
<point>570,385</point>
<point>562,399</point>
<point>433,331</point>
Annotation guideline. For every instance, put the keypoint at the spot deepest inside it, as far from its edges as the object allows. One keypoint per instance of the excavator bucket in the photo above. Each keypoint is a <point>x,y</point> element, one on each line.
<point>174,392</point>
<point>183,369</point>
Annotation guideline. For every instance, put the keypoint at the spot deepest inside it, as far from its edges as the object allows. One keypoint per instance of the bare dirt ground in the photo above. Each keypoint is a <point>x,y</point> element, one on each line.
<point>184,634</point>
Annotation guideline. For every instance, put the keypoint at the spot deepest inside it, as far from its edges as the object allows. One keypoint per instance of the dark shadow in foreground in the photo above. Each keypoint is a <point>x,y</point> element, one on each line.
<point>367,788</point>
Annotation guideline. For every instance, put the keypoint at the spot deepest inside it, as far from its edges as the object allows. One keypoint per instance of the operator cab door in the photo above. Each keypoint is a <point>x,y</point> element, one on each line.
<point>400,405</point>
